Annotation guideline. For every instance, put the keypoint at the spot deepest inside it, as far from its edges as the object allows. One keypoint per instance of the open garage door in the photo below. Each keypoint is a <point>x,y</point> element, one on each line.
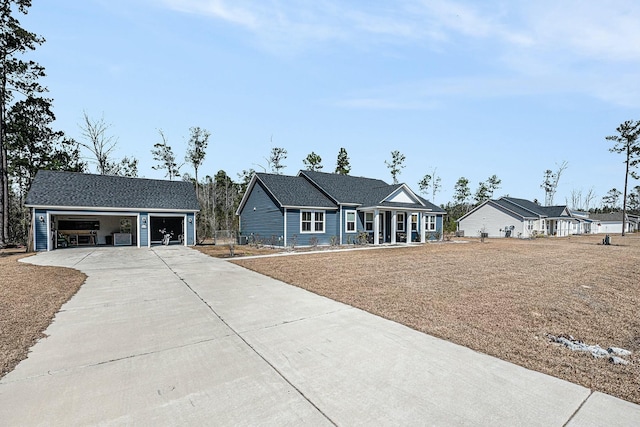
<point>172,225</point>
<point>97,228</point>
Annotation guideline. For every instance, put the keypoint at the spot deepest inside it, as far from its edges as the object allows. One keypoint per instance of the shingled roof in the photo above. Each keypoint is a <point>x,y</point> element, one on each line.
<point>609,216</point>
<point>72,189</point>
<point>294,191</point>
<point>361,191</point>
<point>350,189</point>
<point>528,209</point>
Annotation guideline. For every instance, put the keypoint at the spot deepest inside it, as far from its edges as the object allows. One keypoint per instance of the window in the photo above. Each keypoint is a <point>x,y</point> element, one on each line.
<point>414,222</point>
<point>368,221</point>
<point>306,222</point>
<point>351,222</point>
<point>312,221</point>
<point>400,221</point>
<point>431,222</point>
<point>319,222</point>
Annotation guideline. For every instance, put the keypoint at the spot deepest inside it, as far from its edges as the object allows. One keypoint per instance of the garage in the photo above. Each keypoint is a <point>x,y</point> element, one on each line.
<point>71,209</point>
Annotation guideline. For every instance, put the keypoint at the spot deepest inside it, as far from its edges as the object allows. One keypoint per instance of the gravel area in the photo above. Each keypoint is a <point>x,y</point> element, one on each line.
<point>508,298</point>
<point>30,296</point>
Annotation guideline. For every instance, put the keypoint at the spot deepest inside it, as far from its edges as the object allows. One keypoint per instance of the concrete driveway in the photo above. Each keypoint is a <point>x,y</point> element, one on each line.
<point>168,336</point>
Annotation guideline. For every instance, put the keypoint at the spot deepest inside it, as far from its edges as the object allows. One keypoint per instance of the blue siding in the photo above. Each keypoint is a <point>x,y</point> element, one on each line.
<point>41,230</point>
<point>144,229</point>
<point>350,237</point>
<point>191,223</point>
<point>331,225</point>
<point>261,218</point>
<point>436,235</point>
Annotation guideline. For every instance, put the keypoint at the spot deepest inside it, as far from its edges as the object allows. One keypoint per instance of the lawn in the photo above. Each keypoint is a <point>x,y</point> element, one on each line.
<point>30,296</point>
<point>503,297</point>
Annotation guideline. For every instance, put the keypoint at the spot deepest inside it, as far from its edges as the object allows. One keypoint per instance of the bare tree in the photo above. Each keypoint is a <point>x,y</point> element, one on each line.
<point>163,154</point>
<point>430,182</point>
<point>197,150</point>
<point>100,145</point>
<point>580,201</point>
<point>97,142</point>
<point>550,183</point>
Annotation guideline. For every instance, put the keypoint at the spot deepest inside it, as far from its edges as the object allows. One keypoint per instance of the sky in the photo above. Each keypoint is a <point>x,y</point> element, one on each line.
<point>463,88</point>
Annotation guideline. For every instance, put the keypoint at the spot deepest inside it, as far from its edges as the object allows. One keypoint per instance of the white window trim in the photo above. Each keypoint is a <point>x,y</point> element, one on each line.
<point>414,223</point>
<point>431,223</point>
<point>313,221</point>
<point>403,216</point>
<point>372,222</point>
<point>355,221</point>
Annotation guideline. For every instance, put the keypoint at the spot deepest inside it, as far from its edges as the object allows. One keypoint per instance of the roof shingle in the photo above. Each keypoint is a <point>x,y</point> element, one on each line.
<point>294,191</point>
<point>73,189</point>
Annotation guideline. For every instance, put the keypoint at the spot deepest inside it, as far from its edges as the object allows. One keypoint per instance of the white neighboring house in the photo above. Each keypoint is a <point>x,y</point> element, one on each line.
<point>611,223</point>
<point>511,217</point>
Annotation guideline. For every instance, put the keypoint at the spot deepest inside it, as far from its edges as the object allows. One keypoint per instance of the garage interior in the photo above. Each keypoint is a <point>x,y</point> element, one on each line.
<point>82,230</point>
<point>172,225</point>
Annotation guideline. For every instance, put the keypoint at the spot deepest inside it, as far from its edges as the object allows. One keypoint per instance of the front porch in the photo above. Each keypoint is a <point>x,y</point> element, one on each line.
<point>401,226</point>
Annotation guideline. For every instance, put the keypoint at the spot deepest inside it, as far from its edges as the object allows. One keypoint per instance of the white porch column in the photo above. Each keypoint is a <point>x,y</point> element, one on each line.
<point>376,227</point>
<point>423,227</point>
<point>394,226</point>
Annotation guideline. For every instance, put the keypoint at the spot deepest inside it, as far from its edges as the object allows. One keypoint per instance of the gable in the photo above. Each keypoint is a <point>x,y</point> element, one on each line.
<point>400,196</point>
<point>366,192</point>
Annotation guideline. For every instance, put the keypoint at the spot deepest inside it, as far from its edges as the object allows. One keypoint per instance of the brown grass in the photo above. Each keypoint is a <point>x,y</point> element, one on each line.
<point>222,251</point>
<point>30,296</point>
<point>502,297</point>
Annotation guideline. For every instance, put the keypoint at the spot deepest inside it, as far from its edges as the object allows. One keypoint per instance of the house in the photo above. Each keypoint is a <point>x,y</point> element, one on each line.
<point>512,217</point>
<point>326,208</point>
<point>612,223</point>
<point>70,209</point>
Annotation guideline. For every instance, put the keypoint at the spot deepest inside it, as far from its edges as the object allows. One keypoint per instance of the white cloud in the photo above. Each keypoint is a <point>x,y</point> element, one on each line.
<point>536,47</point>
<point>605,31</point>
<point>218,9</point>
<point>602,30</point>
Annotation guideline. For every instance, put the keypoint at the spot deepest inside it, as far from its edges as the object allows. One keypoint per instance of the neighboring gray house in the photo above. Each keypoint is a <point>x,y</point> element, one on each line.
<point>70,209</point>
<point>324,208</point>
<point>511,217</point>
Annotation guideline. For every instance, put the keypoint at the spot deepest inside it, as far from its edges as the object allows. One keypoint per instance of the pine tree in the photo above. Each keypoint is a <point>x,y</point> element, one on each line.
<point>342,165</point>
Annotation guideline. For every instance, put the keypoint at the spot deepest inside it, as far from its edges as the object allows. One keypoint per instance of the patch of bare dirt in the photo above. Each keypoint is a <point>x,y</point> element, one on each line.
<point>502,297</point>
<point>30,296</point>
<point>223,251</point>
